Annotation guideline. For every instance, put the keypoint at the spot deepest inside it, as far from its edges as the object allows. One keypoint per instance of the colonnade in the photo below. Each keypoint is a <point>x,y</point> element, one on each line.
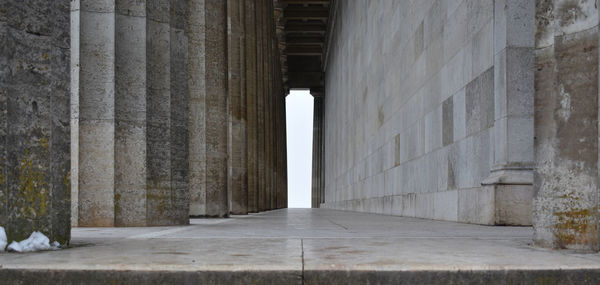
<point>180,111</point>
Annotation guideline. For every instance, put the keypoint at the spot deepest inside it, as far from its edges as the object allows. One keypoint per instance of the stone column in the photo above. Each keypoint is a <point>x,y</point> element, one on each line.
<point>566,125</point>
<point>511,178</point>
<point>34,119</point>
<point>178,197</point>
<point>317,147</point>
<point>96,113</point>
<point>284,182</point>
<point>272,98</point>
<point>197,98</point>
<point>133,160</point>
<point>130,116</point>
<point>237,109</point>
<point>281,141</point>
<point>267,104</point>
<point>322,152</point>
<point>260,24</point>
<point>74,112</point>
<point>208,108</point>
<point>251,103</point>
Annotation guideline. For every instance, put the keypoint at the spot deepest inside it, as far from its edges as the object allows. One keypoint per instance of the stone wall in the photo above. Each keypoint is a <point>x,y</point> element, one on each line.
<point>34,119</point>
<point>416,110</point>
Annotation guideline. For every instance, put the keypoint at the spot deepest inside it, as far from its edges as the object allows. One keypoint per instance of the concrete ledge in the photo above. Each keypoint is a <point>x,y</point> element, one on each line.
<point>92,277</point>
<point>583,276</point>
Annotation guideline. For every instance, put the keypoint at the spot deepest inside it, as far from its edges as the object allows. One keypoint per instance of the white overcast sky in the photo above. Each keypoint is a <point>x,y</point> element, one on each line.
<point>299,112</point>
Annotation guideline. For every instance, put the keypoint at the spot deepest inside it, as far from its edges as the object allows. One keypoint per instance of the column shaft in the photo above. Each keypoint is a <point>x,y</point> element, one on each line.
<point>216,108</point>
<point>566,129</point>
<point>317,148</point>
<point>251,104</point>
<point>34,119</point>
<point>133,123</point>
<point>197,106</point>
<point>96,113</point>
<point>130,114</point>
<point>260,102</point>
<point>237,105</point>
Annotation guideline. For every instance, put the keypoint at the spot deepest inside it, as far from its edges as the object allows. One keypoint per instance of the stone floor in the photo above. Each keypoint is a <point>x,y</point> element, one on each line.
<point>302,246</point>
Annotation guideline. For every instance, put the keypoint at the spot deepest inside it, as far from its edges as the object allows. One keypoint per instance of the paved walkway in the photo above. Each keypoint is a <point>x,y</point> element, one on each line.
<point>303,245</point>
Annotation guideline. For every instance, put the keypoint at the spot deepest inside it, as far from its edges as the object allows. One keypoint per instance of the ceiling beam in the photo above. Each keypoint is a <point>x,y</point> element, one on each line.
<point>302,39</point>
<point>305,28</point>
<point>308,14</point>
<point>306,2</point>
<point>304,50</point>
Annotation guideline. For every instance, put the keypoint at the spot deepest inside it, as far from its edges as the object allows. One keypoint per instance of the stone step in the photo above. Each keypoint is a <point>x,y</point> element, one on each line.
<point>174,276</point>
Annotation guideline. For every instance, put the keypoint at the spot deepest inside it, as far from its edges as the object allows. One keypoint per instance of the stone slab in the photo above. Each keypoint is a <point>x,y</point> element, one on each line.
<point>303,245</point>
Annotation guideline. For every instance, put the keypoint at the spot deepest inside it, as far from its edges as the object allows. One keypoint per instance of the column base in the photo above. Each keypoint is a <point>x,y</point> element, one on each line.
<point>513,196</point>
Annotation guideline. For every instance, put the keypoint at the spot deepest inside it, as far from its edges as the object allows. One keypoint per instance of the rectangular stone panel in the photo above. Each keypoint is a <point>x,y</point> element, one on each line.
<point>448,122</point>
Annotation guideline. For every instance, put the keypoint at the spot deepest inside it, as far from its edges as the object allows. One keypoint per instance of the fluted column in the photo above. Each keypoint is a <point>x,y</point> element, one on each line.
<point>238,169</point>
<point>133,118</point>
<point>96,113</point>
<point>317,148</point>
<point>260,59</point>
<point>207,26</point>
<point>251,103</point>
<point>267,105</point>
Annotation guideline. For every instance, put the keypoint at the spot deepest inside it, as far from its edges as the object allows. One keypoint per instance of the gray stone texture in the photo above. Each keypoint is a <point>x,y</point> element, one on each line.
<point>35,119</point>
<point>216,108</point>
<point>96,114</point>
<point>197,106</point>
<point>250,45</point>
<point>566,125</point>
<point>133,165</point>
<point>260,106</point>
<point>238,168</point>
<point>317,159</point>
<point>411,109</point>
<point>233,93</point>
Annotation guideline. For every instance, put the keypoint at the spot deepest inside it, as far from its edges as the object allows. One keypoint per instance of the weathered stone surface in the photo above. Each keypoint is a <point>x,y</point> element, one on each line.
<point>237,148</point>
<point>35,119</point>
<point>96,114</point>
<point>566,125</point>
<point>130,115</point>
<point>251,103</point>
<point>133,165</point>
<point>197,107</point>
<point>208,108</point>
<point>179,129</point>
<point>337,247</point>
<point>260,103</point>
